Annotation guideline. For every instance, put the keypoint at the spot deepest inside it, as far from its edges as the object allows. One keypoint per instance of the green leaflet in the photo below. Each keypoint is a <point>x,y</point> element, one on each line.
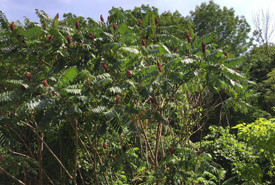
<point>68,76</point>
<point>31,33</point>
<point>8,96</point>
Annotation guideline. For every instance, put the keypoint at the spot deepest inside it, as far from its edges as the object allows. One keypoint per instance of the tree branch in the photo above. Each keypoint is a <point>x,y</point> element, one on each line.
<point>12,177</point>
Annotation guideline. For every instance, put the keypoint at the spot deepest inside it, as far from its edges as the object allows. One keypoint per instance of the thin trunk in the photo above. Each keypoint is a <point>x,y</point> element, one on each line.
<point>140,144</point>
<point>24,172</point>
<point>95,167</point>
<point>95,171</point>
<point>49,149</point>
<point>158,137</point>
<point>47,177</point>
<point>162,148</point>
<point>75,155</point>
<point>60,156</point>
<point>146,153</point>
<point>90,158</point>
<point>40,156</point>
<point>111,175</point>
<point>86,150</point>
<point>59,162</point>
<point>96,155</point>
<point>81,177</point>
<point>30,158</point>
<point>147,141</point>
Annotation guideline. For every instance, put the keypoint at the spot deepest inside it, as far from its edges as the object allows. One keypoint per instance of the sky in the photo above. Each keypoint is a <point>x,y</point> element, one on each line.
<point>18,9</point>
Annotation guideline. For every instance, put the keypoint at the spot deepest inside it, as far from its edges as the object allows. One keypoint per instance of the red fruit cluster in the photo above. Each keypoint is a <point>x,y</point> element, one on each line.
<point>12,26</point>
<point>114,26</point>
<point>117,99</point>
<point>68,39</point>
<point>156,21</point>
<point>129,74</point>
<point>45,83</point>
<point>139,21</point>
<point>171,150</point>
<point>104,145</point>
<point>226,54</point>
<point>203,46</point>
<point>28,76</point>
<point>106,68</point>
<point>77,24</point>
<point>108,18</point>
<point>92,35</point>
<point>57,16</point>
<point>159,66</point>
<point>102,19</point>
<point>50,37</point>
<point>188,37</point>
<point>143,42</point>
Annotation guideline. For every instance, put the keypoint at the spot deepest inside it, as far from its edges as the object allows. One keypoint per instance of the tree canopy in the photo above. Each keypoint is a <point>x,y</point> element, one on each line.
<point>232,31</point>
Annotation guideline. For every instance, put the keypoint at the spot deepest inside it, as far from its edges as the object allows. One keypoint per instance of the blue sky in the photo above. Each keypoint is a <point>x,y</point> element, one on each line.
<point>17,9</point>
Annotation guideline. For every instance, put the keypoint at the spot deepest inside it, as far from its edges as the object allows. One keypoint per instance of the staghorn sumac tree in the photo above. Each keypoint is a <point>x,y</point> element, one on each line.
<point>93,86</point>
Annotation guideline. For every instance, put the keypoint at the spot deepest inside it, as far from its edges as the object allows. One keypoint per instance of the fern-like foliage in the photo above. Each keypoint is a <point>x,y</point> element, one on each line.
<point>68,76</point>
<point>8,96</point>
<point>124,96</point>
<point>45,19</point>
<point>3,21</point>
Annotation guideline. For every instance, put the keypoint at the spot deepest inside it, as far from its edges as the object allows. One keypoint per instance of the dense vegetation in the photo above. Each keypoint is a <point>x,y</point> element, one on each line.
<point>137,98</point>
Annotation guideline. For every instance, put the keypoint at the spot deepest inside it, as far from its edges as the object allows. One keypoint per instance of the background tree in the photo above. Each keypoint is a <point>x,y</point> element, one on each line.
<point>140,12</point>
<point>257,66</point>
<point>232,31</point>
<point>269,93</point>
<point>179,24</point>
<point>264,27</point>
